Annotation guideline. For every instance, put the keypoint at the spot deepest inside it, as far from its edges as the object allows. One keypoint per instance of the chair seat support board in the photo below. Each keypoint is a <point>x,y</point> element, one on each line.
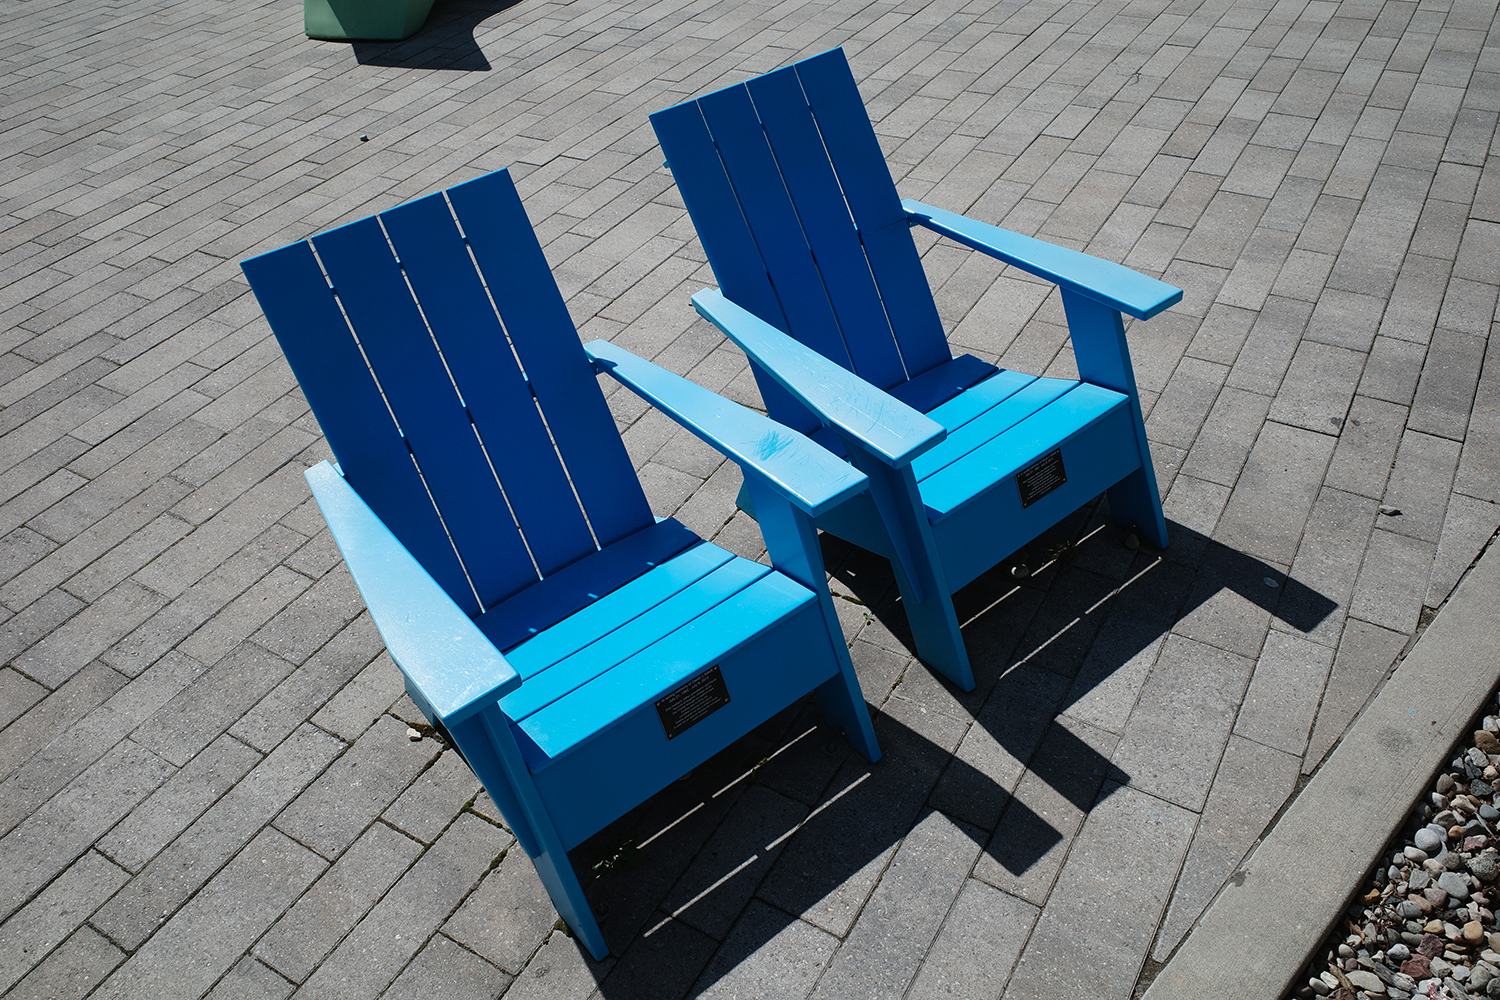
<point>581,653</point>
<point>822,286</point>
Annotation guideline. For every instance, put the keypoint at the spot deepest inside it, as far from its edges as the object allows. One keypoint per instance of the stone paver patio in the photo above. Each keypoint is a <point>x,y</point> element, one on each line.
<point>206,786</point>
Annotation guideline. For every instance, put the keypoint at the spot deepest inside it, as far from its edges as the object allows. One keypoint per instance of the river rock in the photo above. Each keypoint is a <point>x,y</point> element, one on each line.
<point>1418,880</point>
<point>1485,866</point>
<point>1454,885</point>
<point>1428,839</point>
<point>1416,967</point>
<point>1481,976</point>
<point>1367,981</point>
<point>1486,741</point>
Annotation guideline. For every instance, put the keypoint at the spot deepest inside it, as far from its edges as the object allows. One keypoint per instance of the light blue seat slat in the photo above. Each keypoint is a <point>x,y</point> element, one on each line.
<point>867,185</point>
<point>315,338</point>
<point>620,605</point>
<point>655,669</point>
<point>936,386</point>
<point>547,343</point>
<point>415,383</point>
<point>480,360</point>
<point>961,409</point>
<point>990,424</point>
<point>1008,453</point>
<point>671,609</point>
<point>575,587</point>
<point>826,224</point>
<point>765,208</point>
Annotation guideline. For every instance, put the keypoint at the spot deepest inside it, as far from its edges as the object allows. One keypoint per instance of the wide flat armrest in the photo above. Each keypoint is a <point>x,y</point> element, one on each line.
<point>888,428</point>
<point>805,473</point>
<point>1112,284</point>
<point>436,645</point>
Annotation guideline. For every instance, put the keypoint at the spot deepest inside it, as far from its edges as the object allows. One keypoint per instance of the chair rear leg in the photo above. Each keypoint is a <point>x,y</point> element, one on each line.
<point>843,706</point>
<point>1103,358</point>
<point>1134,500</point>
<point>561,883</point>
<point>792,543</point>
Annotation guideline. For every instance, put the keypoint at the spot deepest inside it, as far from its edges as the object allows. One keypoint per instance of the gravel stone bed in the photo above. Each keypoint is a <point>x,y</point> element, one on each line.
<point>1424,926</point>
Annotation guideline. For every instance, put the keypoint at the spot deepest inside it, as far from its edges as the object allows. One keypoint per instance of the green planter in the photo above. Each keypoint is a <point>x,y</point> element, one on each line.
<point>370,20</point>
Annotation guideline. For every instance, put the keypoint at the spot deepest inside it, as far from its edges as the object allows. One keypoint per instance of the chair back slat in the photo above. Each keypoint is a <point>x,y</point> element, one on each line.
<point>850,140</point>
<point>784,177</point>
<point>305,316</point>
<point>546,341</point>
<point>395,338</point>
<point>500,403</point>
<point>774,223</point>
<point>494,472</point>
<point>732,253</point>
<point>814,189</point>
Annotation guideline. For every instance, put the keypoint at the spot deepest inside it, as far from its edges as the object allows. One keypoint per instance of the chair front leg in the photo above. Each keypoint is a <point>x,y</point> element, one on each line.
<point>792,543</point>
<point>924,585</point>
<point>1103,358</point>
<point>491,751</point>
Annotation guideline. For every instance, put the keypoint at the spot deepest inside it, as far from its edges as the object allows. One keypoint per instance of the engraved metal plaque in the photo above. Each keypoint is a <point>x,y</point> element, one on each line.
<point>1041,477</point>
<point>692,702</point>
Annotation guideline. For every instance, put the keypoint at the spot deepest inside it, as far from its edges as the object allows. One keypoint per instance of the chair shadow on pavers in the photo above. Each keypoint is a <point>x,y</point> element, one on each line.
<point>786,824</point>
<point>582,654</point>
<point>1075,637</point>
<point>446,41</point>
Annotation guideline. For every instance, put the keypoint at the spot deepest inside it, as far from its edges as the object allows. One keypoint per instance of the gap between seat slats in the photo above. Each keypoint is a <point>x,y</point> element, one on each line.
<point>575,587</point>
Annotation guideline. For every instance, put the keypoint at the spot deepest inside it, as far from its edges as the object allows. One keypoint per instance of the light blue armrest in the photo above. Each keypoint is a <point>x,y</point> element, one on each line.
<point>803,472</point>
<point>888,428</point>
<point>439,649</point>
<point>1104,281</point>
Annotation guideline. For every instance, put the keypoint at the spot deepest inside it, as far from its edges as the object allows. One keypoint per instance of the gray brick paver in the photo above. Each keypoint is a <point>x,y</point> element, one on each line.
<point>209,934</point>
<point>56,912</point>
<point>376,768</point>
<point>214,838</point>
<point>49,839</point>
<point>386,939</point>
<point>336,902</point>
<point>1081,950</point>
<point>67,756</point>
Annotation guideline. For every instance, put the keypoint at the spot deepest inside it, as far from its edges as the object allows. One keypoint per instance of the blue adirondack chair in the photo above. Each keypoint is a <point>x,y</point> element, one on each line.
<point>821,285</point>
<point>581,653</point>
